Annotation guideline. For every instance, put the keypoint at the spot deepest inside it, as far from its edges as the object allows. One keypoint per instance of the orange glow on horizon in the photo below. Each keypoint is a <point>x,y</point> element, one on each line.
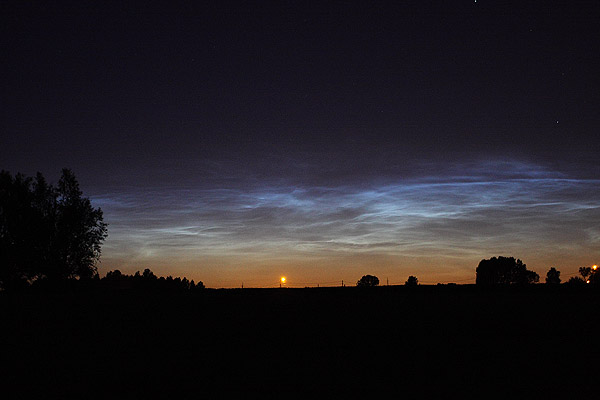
<point>230,271</point>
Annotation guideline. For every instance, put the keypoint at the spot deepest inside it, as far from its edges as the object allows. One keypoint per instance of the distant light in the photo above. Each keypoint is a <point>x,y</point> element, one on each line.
<point>283,279</point>
<point>588,281</point>
<point>594,267</point>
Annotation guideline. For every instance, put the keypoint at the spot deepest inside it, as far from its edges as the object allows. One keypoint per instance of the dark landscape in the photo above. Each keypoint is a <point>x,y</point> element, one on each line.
<point>279,342</point>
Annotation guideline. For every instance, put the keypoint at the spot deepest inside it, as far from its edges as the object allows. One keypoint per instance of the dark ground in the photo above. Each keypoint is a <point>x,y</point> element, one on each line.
<point>281,342</point>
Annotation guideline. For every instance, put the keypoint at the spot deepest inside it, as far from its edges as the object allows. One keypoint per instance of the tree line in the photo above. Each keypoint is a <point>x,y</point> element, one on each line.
<point>148,281</point>
<point>510,271</point>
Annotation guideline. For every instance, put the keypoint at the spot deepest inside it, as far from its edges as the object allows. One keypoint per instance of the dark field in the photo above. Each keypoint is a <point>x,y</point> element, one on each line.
<point>281,342</point>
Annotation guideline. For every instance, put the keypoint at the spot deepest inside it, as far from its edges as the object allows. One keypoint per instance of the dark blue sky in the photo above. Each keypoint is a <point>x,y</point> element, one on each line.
<point>240,141</point>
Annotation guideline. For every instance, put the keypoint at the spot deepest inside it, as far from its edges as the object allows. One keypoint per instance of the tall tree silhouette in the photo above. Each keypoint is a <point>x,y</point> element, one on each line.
<point>79,233</point>
<point>45,231</point>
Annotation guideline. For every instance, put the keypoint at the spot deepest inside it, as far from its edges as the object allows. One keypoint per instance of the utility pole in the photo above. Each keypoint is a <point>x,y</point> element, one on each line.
<point>342,283</point>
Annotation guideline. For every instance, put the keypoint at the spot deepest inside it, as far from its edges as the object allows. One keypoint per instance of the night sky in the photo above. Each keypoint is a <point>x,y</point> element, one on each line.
<point>239,142</point>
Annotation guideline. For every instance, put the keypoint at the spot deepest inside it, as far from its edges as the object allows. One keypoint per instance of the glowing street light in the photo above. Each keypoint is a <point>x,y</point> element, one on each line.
<point>594,267</point>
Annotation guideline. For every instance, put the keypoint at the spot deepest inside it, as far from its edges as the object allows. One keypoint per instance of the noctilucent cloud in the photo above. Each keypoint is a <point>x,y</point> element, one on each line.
<point>435,226</point>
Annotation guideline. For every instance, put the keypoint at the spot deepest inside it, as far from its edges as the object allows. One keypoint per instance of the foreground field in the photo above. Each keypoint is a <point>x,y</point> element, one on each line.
<point>281,342</point>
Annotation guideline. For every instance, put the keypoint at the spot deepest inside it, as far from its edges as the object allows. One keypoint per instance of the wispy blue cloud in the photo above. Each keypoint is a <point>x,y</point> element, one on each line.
<point>469,212</point>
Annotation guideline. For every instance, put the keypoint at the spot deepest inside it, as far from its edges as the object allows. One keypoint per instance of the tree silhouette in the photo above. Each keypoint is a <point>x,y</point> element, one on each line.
<point>367,281</point>
<point>585,272</point>
<point>412,281</point>
<point>553,276</point>
<point>590,275</point>
<point>504,270</point>
<point>149,275</point>
<point>45,231</point>
<point>80,231</point>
